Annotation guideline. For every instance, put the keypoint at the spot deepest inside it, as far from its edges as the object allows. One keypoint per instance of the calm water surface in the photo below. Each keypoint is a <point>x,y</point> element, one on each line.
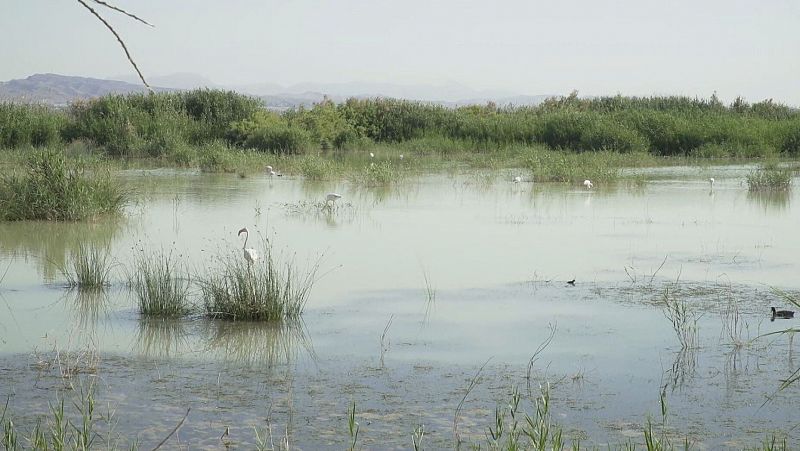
<point>497,254</point>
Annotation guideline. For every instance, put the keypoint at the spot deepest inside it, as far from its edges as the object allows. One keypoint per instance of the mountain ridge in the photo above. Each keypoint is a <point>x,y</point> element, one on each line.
<point>61,90</point>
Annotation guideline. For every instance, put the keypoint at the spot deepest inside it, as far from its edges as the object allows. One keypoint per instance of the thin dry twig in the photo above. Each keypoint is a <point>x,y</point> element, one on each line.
<point>119,39</point>
<point>131,15</point>
<point>472,383</point>
<point>180,423</point>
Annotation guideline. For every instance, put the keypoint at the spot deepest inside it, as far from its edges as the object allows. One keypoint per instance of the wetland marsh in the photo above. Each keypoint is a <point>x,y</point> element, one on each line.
<point>420,283</point>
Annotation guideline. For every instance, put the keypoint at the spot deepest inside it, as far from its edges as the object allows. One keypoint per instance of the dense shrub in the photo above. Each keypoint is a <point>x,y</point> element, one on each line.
<point>269,132</point>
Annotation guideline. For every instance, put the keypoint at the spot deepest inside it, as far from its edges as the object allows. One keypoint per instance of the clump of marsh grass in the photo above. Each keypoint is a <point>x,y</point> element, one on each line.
<point>159,287</point>
<point>89,268</point>
<point>377,174</point>
<point>267,290</point>
<point>769,177</point>
<point>52,189</point>
<point>62,429</point>
<point>547,165</point>
<point>683,320</point>
<point>353,427</point>
<point>514,428</point>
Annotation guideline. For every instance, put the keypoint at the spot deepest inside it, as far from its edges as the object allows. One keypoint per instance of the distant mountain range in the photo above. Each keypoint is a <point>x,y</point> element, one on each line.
<point>61,90</point>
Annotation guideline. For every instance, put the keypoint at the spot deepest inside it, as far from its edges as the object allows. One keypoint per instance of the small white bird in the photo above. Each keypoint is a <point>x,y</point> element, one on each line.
<point>517,179</point>
<point>401,156</point>
<point>371,155</point>
<point>588,184</point>
<point>711,181</point>
<point>249,254</point>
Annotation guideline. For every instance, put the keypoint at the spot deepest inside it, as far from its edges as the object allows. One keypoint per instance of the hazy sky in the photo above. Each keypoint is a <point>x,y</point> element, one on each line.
<point>633,47</point>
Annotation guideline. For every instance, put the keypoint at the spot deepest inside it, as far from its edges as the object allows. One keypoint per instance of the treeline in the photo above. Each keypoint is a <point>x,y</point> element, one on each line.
<point>161,124</point>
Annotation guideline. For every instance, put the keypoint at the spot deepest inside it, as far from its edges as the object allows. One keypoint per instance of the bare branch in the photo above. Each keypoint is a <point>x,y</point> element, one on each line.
<point>119,39</point>
<point>133,16</point>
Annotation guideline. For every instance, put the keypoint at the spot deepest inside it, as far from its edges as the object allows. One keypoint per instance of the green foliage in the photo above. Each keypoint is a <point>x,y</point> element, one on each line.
<point>155,124</point>
<point>162,125</point>
<point>215,156</point>
<point>327,125</point>
<point>52,189</point>
<point>269,132</point>
<point>313,167</point>
<point>30,125</point>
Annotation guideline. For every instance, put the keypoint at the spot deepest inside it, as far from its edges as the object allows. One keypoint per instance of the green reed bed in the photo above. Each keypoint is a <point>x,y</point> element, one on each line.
<point>168,125</point>
<point>770,177</point>
<point>89,268</point>
<point>51,188</point>
<point>161,285</point>
<point>266,290</point>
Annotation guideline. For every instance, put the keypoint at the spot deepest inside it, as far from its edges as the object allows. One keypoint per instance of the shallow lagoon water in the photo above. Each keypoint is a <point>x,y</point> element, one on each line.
<point>497,254</point>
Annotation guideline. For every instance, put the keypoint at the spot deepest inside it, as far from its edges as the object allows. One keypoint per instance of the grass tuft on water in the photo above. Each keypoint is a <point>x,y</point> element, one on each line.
<point>159,288</point>
<point>89,269</point>
<point>267,290</point>
<point>769,177</point>
<point>53,189</point>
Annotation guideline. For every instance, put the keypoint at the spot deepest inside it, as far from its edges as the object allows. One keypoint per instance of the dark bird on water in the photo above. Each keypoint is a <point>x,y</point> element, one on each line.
<point>783,314</point>
<point>571,282</point>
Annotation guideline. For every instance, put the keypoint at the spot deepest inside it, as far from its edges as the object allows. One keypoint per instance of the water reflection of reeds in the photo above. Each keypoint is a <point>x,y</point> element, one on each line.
<point>90,306</point>
<point>257,343</point>
<point>51,243</point>
<point>161,337</point>
<point>770,200</point>
<point>683,369</point>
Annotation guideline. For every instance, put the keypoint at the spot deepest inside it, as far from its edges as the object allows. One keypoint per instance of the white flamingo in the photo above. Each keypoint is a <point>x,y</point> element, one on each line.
<point>249,254</point>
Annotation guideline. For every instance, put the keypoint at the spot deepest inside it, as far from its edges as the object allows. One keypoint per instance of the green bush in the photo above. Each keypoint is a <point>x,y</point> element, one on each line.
<point>326,125</point>
<point>215,156</point>
<point>267,131</point>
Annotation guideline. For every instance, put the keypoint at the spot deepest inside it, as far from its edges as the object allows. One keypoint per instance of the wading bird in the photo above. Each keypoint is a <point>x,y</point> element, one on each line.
<point>782,314</point>
<point>517,179</point>
<point>711,182</point>
<point>249,254</point>
<point>371,155</point>
<point>588,184</point>
<point>401,156</point>
<point>571,282</point>
<point>331,198</point>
